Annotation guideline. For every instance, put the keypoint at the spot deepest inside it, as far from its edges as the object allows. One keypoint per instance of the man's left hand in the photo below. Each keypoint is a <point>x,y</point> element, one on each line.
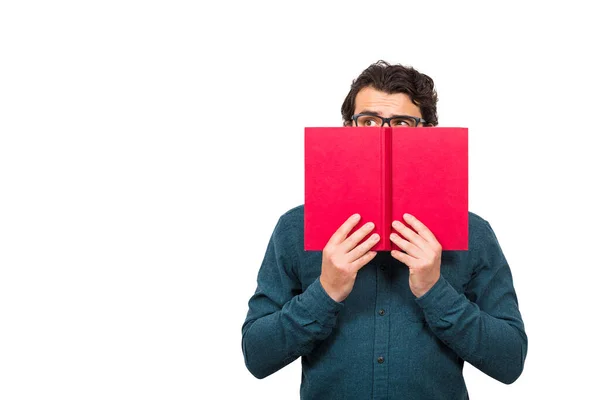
<point>422,254</point>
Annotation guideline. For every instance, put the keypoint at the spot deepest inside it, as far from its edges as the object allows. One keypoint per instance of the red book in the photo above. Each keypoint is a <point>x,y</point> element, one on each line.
<point>382,173</point>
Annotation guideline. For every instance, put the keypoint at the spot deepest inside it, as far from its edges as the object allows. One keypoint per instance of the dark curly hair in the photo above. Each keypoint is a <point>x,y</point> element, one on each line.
<point>395,79</point>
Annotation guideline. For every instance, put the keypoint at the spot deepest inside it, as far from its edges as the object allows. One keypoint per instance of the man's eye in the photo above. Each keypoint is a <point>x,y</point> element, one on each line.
<point>401,122</point>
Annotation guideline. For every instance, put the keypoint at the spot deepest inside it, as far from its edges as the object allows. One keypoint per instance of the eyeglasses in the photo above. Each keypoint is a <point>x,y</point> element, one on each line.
<point>400,121</point>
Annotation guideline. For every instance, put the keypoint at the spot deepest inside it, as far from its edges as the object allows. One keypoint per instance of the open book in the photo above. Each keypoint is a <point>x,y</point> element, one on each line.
<point>382,173</point>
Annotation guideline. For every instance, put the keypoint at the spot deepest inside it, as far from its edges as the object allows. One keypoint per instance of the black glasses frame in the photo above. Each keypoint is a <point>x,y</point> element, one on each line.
<point>389,120</point>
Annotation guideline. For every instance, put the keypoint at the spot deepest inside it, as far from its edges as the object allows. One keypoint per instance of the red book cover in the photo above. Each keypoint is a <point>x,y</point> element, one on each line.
<point>382,173</point>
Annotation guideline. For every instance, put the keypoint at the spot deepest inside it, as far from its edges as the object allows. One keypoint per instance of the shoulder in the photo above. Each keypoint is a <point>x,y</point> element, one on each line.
<point>295,212</point>
<point>288,235</point>
<point>482,239</point>
<point>478,226</point>
<point>293,219</point>
<point>289,230</point>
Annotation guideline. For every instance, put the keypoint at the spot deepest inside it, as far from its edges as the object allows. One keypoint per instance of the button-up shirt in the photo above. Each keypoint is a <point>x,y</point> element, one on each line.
<point>382,342</point>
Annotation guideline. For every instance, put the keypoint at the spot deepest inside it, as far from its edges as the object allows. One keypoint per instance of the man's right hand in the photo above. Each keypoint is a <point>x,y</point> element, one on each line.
<point>342,258</point>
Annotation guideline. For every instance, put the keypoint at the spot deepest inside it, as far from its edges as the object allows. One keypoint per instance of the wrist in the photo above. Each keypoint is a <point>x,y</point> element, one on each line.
<point>333,294</point>
<point>421,291</point>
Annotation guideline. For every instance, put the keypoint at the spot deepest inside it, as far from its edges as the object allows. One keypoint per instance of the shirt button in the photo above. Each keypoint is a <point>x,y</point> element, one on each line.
<point>382,267</point>
<point>380,360</point>
<point>382,312</point>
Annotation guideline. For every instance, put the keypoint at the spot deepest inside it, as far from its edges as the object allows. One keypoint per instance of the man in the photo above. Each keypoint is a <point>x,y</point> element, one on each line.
<point>385,325</point>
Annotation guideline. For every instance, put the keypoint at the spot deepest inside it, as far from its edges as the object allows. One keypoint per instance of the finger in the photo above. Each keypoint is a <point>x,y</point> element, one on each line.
<point>351,242</point>
<point>410,235</point>
<point>420,227</point>
<point>365,246</point>
<point>362,261</point>
<point>404,258</point>
<point>407,246</point>
<point>340,235</point>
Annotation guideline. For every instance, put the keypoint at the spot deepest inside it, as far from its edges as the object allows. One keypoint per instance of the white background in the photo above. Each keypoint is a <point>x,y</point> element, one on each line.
<point>147,150</point>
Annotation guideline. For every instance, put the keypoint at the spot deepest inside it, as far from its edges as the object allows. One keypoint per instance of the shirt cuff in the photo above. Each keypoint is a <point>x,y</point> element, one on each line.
<point>318,303</point>
<point>438,299</point>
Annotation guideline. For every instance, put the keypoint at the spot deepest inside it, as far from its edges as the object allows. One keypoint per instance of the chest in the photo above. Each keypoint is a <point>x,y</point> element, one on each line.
<point>386,280</point>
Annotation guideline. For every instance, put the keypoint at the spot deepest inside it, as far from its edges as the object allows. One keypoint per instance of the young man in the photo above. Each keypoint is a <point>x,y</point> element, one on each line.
<point>385,325</point>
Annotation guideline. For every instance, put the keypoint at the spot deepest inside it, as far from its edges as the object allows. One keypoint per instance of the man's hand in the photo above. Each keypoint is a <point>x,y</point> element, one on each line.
<point>342,258</point>
<point>422,254</point>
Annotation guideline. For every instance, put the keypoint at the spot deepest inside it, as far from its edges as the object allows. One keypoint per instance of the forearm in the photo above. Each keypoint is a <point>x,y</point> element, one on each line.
<point>274,340</point>
<point>496,346</point>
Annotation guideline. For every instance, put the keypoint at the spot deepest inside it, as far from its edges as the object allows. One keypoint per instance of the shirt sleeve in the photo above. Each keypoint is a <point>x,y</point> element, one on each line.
<point>284,323</point>
<point>484,325</point>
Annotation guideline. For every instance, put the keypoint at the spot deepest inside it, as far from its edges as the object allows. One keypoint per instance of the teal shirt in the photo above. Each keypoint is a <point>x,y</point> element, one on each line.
<point>382,342</point>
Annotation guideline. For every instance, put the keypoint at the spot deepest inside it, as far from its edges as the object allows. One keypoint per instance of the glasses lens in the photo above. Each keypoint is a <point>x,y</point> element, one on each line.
<point>369,120</point>
<point>403,122</point>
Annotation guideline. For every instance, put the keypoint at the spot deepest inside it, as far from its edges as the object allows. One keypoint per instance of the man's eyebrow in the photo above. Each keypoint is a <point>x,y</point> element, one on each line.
<point>375,114</point>
<point>368,112</point>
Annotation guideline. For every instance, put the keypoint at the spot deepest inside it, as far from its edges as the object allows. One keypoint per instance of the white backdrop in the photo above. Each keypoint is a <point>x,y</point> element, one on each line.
<point>147,150</point>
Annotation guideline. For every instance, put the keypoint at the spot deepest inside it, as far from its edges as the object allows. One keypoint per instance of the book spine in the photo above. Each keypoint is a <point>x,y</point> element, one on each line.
<point>386,186</point>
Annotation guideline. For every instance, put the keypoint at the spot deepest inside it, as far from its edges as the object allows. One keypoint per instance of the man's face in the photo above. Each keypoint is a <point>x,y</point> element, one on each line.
<point>369,100</point>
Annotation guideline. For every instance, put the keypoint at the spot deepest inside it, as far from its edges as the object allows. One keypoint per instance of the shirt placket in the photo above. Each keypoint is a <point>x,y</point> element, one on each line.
<point>382,334</point>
